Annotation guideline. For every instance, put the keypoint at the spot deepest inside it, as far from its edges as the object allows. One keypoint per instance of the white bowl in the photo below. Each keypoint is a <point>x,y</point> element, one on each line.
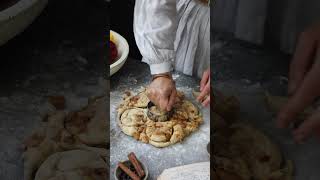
<point>123,52</point>
<point>18,17</point>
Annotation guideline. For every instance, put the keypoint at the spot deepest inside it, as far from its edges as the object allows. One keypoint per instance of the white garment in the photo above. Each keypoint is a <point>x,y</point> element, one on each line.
<point>173,34</point>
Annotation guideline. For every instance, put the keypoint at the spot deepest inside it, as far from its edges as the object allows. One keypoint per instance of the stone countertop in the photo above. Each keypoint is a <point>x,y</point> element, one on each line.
<point>132,76</point>
<point>246,71</point>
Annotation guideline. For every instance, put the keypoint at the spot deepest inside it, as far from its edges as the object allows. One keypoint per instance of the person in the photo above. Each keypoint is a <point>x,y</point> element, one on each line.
<point>173,34</point>
<point>304,85</point>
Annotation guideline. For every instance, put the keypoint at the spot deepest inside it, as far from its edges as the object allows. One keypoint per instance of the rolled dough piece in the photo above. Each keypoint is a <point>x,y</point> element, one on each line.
<point>73,165</point>
<point>132,121</point>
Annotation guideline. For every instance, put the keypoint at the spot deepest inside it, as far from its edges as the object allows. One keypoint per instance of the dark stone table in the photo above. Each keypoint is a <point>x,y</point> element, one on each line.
<point>62,52</point>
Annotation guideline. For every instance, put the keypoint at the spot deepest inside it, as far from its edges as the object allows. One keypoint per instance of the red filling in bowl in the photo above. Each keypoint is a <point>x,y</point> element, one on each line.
<point>114,52</point>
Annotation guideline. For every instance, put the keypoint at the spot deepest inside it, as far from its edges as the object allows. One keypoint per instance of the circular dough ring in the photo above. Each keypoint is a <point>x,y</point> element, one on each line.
<point>146,130</point>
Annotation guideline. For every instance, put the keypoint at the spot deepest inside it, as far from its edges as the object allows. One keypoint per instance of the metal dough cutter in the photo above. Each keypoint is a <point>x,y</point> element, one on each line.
<point>158,117</point>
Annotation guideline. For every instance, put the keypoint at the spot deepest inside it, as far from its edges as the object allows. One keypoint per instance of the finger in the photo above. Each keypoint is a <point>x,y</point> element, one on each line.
<point>172,100</point>
<point>206,102</point>
<point>302,59</point>
<point>204,80</point>
<point>163,103</point>
<point>204,92</point>
<point>150,93</point>
<point>308,91</point>
<point>307,128</point>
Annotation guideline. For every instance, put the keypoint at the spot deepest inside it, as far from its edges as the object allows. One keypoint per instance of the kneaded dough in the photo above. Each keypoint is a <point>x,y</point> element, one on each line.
<point>73,165</point>
<point>133,121</point>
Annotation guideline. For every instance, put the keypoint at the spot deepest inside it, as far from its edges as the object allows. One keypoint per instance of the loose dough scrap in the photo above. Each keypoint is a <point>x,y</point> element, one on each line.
<point>73,165</point>
<point>133,120</point>
<point>53,136</point>
<point>244,153</point>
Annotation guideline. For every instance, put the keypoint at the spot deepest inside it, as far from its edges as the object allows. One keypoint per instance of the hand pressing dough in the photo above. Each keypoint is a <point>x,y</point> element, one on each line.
<point>133,120</point>
<point>73,165</point>
<point>86,127</point>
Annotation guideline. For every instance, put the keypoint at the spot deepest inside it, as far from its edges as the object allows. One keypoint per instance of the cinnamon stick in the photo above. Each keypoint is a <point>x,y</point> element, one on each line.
<point>137,166</point>
<point>128,171</point>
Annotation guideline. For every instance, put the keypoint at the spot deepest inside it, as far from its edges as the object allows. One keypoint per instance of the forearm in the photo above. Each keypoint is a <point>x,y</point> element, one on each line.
<point>155,26</point>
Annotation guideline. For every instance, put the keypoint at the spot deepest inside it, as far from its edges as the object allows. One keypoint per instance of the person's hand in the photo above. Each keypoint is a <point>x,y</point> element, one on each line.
<point>162,92</point>
<point>204,96</point>
<point>304,85</point>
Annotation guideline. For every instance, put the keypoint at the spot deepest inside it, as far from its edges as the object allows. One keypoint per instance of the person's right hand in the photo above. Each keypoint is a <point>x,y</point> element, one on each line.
<point>304,85</point>
<point>162,92</point>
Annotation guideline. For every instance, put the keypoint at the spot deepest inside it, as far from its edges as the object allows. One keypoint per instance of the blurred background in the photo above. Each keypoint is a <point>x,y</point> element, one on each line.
<point>122,22</point>
<point>64,51</point>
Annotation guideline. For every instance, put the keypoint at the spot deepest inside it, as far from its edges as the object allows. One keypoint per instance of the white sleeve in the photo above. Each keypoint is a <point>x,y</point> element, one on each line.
<point>155,26</point>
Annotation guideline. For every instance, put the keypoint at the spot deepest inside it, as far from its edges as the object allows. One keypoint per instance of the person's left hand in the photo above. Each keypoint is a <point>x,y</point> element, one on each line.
<point>204,96</point>
<point>304,85</point>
